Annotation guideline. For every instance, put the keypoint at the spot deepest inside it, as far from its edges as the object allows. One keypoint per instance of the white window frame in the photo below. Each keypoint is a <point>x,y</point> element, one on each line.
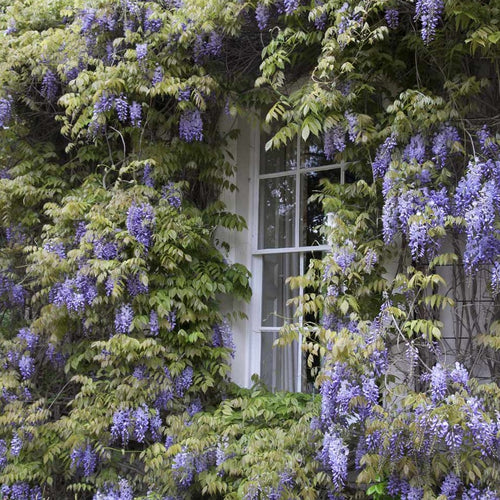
<point>255,328</point>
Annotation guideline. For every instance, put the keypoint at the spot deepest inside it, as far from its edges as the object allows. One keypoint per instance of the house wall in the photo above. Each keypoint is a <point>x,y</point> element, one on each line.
<point>244,153</point>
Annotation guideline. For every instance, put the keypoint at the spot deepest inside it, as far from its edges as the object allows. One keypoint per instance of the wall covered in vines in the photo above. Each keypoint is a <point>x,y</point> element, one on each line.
<point>115,353</point>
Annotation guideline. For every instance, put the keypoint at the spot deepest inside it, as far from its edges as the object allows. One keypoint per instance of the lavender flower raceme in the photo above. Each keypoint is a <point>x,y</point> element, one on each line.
<point>334,456</point>
<point>123,319</point>
<point>291,6</point>
<point>383,157</point>
<point>135,114</point>
<point>262,16</point>
<point>392,18</point>
<point>442,143</point>
<point>183,381</point>
<point>151,23</point>
<point>50,85</point>
<point>429,13</point>
<point>104,103</point>
<point>5,111</point>
<point>135,286</point>
<point>105,250</point>
<point>223,336</point>
<point>154,328</point>
<point>141,50</point>
<point>122,109</point>
<point>439,378</point>
<point>141,423</point>
<point>191,126</point>
<point>140,223</point>
<point>84,459</point>
<point>26,366</point>
<point>157,76</point>
<point>172,194</point>
<point>415,150</point>
<point>450,486</point>
<point>29,338</point>
<point>488,146</point>
<point>334,141</point>
<point>16,445</point>
<point>120,428</point>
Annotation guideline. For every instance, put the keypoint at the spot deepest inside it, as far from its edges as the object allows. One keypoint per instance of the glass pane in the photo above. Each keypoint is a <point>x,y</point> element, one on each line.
<point>277,160</point>
<point>275,292</point>
<point>312,212</point>
<point>277,212</point>
<point>278,365</point>
<point>312,155</point>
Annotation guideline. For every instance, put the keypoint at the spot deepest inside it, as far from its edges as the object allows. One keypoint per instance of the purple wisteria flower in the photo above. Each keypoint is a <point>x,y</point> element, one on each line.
<point>88,17</point>
<point>183,468</point>
<point>105,250</point>
<point>415,150</point>
<point>16,445</point>
<point>122,108</point>
<point>56,248</point>
<point>194,407</point>
<point>291,6</point>
<point>74,293</point>
<point>141,423</point>
<point>172,194</point>
<point>120,429</point>
<point>141,50</point>
<point>80,230</point>
<point>84,460</point>
<point>488,145</point>
<point>383,157</point>
<point>5,111</point>
<point>151,23</point>
<point>223,336</point>
<point>26,366</point>
<point>438,383</point>
<point>50,85</point>
<point>429,13</point>
<point>450,486</point>
<point>135,286</point>
<point>191,126</point>
<point>334,456</point>
<point>184,381</point>
<point>352,125</point>
<point>333,141</point>
<point>123,319</point>
<point>459,375</point>
<point>154,327</point>
<point>29,338</point>
<point>135,111</point>
<point>140,223</point>
<point>392,18</point>
<point>11,294</point>
<point>184,94</point>
<point>157,76</point>
<point>207,45</point>
<point>262,16</point>
<point>442,143</point>
<point>495,279</point>
<point>104,103</point>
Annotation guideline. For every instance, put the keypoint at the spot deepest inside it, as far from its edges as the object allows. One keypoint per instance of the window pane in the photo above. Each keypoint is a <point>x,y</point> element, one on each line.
<point>275,292</point>
<point>312,212</point>
<point>312,155</point>
<point>277,212</point>
<point>280,160</point>
<point>278,365</point>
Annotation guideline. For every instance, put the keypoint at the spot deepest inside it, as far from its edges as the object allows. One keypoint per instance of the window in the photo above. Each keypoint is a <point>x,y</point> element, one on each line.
<point>286,238</point>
